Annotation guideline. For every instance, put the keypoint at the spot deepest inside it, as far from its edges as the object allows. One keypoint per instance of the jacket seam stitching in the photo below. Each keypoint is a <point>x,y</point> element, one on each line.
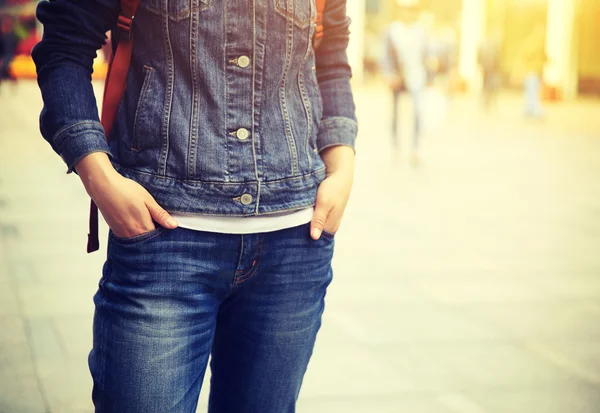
<point>305,100</point>
<point>162,161</point>
<point>253,105</point>
<point>226,94</point>
<point>194,119</point>
<point>288,128</point>
<point>194,182</point>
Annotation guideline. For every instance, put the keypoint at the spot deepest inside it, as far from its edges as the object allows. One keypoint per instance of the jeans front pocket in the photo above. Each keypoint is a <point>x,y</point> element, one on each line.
<point>137,239</point>
<point>327,234</point>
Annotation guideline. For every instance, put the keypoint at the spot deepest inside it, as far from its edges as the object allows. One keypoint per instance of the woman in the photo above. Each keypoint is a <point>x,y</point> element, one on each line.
<point>228,170</point>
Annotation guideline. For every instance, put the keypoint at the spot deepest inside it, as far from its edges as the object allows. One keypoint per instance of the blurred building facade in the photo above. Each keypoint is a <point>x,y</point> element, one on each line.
<point>569,28</point>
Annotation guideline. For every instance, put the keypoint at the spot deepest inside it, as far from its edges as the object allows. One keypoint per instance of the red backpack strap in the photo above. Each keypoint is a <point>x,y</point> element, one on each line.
<point>319,24</point>
<point>114,87</point>
<point>116,78</point>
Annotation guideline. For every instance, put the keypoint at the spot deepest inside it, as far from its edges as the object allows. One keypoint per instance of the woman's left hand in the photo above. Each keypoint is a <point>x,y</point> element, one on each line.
<point>334,191</point>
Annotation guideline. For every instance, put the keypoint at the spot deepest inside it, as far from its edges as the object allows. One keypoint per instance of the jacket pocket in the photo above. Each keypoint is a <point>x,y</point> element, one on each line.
<point>175,9</point>
<point>303,12</point>
<point>144,114</point>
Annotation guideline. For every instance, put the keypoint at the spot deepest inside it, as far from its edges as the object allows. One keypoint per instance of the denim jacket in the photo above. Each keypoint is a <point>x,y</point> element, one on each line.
<point>227,104</point>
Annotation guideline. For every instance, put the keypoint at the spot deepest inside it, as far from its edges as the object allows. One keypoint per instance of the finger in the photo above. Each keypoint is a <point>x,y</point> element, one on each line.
<point>160,215</point>
<point>333,220</point>
<point>319,219</point>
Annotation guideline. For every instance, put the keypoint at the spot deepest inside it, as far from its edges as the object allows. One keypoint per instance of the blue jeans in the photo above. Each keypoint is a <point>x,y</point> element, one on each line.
<point>170,298</point>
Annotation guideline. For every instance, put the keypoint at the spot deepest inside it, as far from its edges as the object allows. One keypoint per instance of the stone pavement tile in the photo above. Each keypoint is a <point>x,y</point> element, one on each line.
<point>19,390</point>
<point>423,365</point>
<point>49,232</point>
<point>574,286</point>
<point>491,365</point>
<point>86,268</point>
<point>74,334</point>
<point>576,357</point>
<point>468,365</point>
<point>67,251</point>
<point>67,384</point>
<point>21,396</point>
<point>47,254</point>
<point>407,323</point>
<point>58,300</point>
<point>33,249</point>
<point>420,260</point>
<point>460,403</point>
<point>370,404</point>
<point>575,397</point>
<point>342,367</point>
<point>482,289</point>
<point>8,299</point>
<point>43,340</point>
<point>371,291</point>
<point>537,320</point>
<point>22,272</point>
<point>27,213</point>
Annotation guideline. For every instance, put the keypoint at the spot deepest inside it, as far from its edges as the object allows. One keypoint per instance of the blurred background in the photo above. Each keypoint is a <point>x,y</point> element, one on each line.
<point>467,271</point>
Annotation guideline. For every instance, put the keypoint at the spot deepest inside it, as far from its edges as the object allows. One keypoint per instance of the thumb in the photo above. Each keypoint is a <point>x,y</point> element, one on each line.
<point>159,215</point>
<point>319,219</point>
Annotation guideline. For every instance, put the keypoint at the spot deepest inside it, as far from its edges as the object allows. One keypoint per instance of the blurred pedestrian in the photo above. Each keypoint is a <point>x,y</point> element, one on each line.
<point>488,56</point>
<point>8,45</point>
<point>403,68</point>
<point>532,56</point>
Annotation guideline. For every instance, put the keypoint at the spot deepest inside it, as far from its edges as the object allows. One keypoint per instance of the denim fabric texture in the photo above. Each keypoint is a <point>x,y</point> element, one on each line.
<point>227,103</point>
<point>170,298</point>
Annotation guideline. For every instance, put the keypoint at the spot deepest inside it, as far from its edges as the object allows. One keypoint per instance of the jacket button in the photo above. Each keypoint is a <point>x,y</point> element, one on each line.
<point>242,134</point>
<point>246,199</point>
<point>243,61</point>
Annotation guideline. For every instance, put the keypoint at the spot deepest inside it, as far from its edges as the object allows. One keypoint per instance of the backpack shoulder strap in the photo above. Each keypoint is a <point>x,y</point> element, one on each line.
<point>129,8</point>
<point>114,88</point>
<point>319,23</point>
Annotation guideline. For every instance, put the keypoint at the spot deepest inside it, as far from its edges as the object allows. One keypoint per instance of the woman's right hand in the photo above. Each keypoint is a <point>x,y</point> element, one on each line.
<point>127,207</point>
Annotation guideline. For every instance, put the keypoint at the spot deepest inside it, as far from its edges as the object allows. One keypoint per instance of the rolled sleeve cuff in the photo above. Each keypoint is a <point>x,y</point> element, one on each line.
<point>75,142</point>
<point>335,131</point>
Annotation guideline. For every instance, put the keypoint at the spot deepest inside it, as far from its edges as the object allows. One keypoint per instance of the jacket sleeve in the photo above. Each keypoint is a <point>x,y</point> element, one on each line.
<point>338,125</point>
<point>74,30</point>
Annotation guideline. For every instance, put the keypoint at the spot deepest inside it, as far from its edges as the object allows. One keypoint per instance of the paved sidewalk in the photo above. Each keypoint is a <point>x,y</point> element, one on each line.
<point>470,284</point>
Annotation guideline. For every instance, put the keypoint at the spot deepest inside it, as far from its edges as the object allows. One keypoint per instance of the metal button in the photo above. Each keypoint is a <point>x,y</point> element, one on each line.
<point>246,199</point>
<point>242,134</point>
<point>243,61</point>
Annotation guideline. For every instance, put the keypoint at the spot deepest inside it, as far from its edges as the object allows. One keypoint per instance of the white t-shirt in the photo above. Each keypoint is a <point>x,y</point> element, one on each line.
<point>244,225</point>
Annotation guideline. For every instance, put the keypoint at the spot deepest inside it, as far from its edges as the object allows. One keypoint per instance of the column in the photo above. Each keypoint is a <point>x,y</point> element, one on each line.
<point>473,26</point>
<point>560,71</point>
